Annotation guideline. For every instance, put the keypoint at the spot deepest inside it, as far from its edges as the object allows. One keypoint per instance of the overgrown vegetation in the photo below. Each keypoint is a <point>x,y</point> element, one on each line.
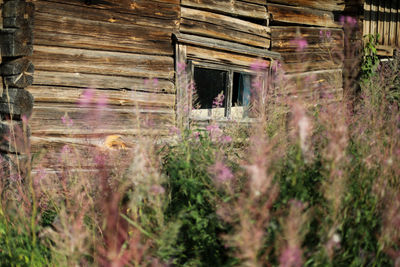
<point>311,183</point>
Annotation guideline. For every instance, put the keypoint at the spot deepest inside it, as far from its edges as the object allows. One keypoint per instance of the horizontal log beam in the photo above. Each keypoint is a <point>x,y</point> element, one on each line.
<point>330,5</point>
<point>302,15</point>
<point>224,45</point>
<point>235,8</point>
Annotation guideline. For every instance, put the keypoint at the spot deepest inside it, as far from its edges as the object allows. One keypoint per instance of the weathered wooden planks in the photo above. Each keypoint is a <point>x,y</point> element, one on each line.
<point>285,39</point>
<point>235,21</point>
<point>302,15</point>
<point>330,5</point>
<point>83,80</point>
<point>219,57</point>
<point>231,7</point>
<point>81,33</point>
<point>128,98</point>
<point>73,60</point>
<point>218,32</point>
<point>382,17</point>
<point>225,21</point>
<point>168,10</point>
<point>123,49</point>
<point>75,9</point>
<point>47,120</point>
<point>216,44</point>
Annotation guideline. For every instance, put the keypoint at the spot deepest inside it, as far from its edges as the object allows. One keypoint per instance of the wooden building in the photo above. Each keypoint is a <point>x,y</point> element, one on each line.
<point>134,54</point>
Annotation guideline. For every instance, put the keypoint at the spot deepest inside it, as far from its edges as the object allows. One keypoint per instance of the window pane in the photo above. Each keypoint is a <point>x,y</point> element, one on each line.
<point>209,83</point>
<point>241,93</point>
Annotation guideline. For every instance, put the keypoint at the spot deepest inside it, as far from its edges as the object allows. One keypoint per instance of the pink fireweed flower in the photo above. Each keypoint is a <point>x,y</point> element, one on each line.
<point>65,150</point>
<point>24,119</point>
<point>102,101</point>
<point>348,20</point>
<point>181,67</point>
<point>66,120</point>
<point>225,139</point>
<point>342,19</point>
<point>174,131</point>
<point>275,67</point>
<point>41,174</point>
<point>15,177</point>
<point>149,123</point>
<point>100,159</point>
<point>304,125</point>
<point>259,65</point>
<point>351,21</point>
<point>291,257</point>
<point>86,98</point>
<point>300,43</point>
<point>214,131</point>
<point>219,100</point>
<point>221,172</point>
<point>325,34</point>
<point>196,136</point>
<point>328,34</point>
<point>157,190</point>
<point>151,82</point>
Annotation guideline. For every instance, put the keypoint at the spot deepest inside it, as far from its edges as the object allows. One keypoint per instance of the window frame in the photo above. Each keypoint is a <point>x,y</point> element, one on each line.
<point>185,78</point>
<point>231,70</point>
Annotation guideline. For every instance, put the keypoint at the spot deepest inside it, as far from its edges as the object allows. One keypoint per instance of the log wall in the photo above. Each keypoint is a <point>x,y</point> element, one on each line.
<point>120,48</point>
<point>16,71</point>
<point>124,50</point>
<point>310,38</point>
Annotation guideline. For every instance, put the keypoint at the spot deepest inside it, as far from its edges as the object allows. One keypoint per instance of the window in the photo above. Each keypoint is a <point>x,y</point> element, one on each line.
<point>221,91</point>
<point>220,72</point>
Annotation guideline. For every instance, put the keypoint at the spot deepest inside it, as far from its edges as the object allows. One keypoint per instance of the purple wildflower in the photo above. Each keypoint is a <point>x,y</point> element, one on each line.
<point>151,82</point>
<point>328,34</point>
<point>300,43</point>
<point>102,101</point>
<point>181,67</point>
<point>219,100</point>
<point>259,65</point>
<point>86,98</point>
<point>65,150</point>
<point>291,257</point>
<point>214,131</point>
<point>66,120</point>
<point>100,160</point>
<point>275,67</point>
<point>174,131</point>
<point>225,139</point>
<point>222,172</point>
<point>348,20</point>
<point>157,190</point>
<point>196,135</point>
<point>24,119</point>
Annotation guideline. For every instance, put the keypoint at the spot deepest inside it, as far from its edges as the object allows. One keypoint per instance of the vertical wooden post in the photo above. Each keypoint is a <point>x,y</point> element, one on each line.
<point>16,72</point>
<point>182,71</point>
<point>353,47</point>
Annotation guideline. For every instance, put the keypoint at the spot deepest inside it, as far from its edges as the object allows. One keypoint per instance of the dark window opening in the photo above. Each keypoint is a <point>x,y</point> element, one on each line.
<point>209,84</point>
<point>223,92</point>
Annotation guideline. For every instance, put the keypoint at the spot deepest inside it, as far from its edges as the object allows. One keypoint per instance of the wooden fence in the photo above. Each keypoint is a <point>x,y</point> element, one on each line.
<point>383,17</point>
